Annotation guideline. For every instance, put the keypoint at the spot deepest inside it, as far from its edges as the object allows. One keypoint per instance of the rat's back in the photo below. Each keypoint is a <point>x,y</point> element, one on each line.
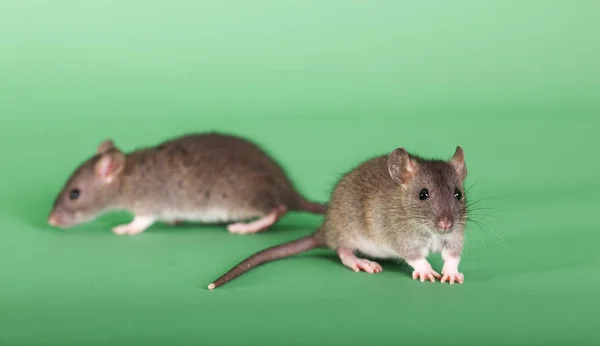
<point>350,209</point>
<point>210,178</point>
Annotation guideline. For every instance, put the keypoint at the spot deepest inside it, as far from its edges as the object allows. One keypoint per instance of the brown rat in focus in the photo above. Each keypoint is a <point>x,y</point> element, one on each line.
<point>211,178</point>
<point>398,206</point>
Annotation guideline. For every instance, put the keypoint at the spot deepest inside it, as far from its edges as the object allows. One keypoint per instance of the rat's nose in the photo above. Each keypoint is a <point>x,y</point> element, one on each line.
<point>445,224</point>
<point>52,220</point>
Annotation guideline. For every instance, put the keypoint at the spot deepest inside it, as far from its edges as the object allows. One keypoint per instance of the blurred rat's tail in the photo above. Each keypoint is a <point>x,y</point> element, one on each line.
<point>273,253</point>
<point>311,207</point>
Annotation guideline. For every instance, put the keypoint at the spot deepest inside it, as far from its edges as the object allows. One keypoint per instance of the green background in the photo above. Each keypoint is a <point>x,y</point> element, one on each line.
<point>322,85</point>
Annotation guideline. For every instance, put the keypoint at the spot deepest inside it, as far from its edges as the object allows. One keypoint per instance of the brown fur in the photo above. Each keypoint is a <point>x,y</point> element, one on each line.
<point>187,175</point>
<point>375,209</point>
<point>367,203</point>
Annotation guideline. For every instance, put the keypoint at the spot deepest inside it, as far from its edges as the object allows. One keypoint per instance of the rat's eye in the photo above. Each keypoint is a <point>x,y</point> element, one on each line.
<point>74,194</point>
<point>423,194</point>
<point>457,194</point>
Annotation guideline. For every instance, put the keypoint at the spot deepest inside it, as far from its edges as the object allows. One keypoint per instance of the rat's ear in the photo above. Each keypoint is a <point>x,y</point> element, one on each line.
<point>458,162</point>
<point>105,146</point>
<point>110,165</point>
<point>402,169</point>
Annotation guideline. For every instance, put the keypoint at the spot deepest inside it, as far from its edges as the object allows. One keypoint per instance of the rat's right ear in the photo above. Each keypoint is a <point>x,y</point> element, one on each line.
<point>110,165</point>
<point>402,169</point>
<point>105,146</point>
<point>458,162</point>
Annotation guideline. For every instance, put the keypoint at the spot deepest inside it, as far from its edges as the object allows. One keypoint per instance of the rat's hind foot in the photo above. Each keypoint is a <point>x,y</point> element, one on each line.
<point>357,264</point>
<point>423,271</point>
<point>138,225</point>
<point>257,225</point>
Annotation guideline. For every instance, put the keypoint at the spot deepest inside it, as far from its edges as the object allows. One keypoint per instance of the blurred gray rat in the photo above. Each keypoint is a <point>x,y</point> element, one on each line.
<point>210,178</point>
<point>397,206</point>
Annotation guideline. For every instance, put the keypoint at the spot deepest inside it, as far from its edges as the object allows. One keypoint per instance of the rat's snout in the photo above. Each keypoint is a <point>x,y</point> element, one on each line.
<point>445,223</point>
<point>52,220</point>
<point>57,220</point>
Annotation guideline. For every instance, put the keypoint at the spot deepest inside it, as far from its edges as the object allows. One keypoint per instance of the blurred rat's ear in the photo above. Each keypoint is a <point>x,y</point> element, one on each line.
<point>402,169</point>
<point>458,162</point>
<point>110,165</point>
<point>105,146</point>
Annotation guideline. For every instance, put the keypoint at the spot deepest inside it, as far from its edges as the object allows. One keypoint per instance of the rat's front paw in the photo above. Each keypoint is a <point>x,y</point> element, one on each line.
<point>426,274</point>
<point>453,276</point>
<point>450,270</point>
<point>126,230</point>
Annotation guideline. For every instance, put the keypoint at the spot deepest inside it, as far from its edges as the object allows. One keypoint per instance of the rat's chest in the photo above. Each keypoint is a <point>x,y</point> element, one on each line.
<point>379,249</point>
<point>435,243</point>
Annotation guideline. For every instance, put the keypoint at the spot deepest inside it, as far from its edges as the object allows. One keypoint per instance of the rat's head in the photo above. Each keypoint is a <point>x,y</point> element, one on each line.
<point>91,189</point>
<point>433,190</point>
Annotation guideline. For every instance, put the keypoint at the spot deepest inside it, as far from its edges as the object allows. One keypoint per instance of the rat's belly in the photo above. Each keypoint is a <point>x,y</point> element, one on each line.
<point>213,214</point>
<point>370,248</point>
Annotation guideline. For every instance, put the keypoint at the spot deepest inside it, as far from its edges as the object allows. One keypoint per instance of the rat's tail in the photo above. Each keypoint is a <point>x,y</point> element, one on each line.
<point>311,207</point>
<point>273,253</point>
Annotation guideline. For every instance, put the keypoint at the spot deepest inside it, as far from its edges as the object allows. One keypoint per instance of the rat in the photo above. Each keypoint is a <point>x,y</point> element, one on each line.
<point>395,206</point>
<point>205,177</point>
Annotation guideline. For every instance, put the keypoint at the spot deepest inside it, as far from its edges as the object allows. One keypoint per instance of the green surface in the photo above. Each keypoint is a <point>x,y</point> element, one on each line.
<point>323,86</point>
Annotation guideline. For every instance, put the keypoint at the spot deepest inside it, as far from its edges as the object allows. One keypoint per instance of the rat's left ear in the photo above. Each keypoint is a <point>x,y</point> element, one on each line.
<point>105,146</point>
<point>110,165</point>
<point>458,162</point>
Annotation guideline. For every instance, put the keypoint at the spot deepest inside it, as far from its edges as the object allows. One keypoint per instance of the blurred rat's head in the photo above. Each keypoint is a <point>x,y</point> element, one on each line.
<point>91,190</point>
<point>432,191</point>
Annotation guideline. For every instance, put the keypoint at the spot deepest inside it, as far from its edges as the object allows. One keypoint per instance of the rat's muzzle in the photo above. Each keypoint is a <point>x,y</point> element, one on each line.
<point>52,220</point>
<point>57,219</point>
<point>445,223</point>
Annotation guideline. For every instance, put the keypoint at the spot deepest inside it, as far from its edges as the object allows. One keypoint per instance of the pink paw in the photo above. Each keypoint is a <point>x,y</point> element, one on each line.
<point>366,266</point>
<point>242,228</point>
<point>427,274</point>
<point>126,230</point>
<point>120,230</point>
<point>453,277</point>
<point>259,225</point>
<point>350,260</point>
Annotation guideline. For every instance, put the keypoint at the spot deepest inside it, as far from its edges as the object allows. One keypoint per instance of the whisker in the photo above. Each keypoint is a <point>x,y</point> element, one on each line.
<point>483,241</point>
<point>488,215</point>
<point>468,227</point>
<point>498,235</point>
<point>472,185</point>
<point>494,209</point>
<point>480,200</point>
<point>505,245</point>
<point>469,205</point>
